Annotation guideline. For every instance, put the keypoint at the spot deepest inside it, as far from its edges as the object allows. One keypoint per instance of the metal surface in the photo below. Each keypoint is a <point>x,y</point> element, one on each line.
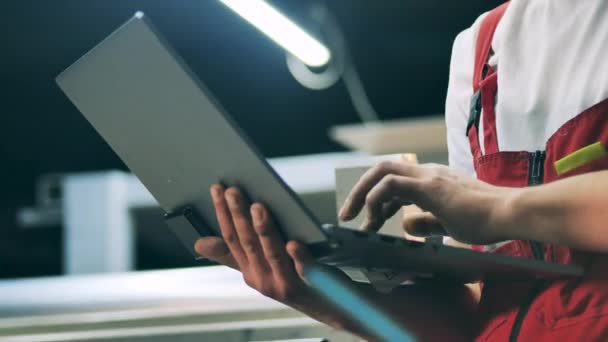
<point>423,261</point>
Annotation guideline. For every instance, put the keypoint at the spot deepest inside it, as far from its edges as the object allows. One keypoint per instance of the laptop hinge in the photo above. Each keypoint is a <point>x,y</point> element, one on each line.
<point>188,227</point>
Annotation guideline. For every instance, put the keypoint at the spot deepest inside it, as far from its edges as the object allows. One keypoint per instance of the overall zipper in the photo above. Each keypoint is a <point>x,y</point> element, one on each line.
<point>537,161</point>
<point>535,177</point>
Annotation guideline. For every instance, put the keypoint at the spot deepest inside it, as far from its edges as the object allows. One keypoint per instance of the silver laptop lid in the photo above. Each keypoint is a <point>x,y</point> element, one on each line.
<point>167,128</point>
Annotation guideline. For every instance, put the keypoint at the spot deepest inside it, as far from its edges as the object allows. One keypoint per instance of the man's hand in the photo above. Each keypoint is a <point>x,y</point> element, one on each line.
<point>252,245</point>
<point>456,205</point>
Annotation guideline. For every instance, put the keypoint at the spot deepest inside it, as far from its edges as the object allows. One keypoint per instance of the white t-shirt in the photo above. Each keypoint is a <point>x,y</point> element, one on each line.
<point>552,62</point>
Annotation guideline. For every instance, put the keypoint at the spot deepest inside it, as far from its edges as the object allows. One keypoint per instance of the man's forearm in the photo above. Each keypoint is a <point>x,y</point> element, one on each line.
<point>571,212</point>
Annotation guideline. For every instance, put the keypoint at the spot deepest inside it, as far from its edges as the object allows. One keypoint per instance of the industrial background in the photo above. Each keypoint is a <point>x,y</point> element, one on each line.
<point>400,47</point>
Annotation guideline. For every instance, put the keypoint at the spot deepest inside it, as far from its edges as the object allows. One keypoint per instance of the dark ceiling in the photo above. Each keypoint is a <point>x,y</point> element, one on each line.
<point>401,48</point>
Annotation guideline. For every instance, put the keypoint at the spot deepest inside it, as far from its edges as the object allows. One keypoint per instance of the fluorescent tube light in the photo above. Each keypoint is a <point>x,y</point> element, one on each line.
<point>282,30</point>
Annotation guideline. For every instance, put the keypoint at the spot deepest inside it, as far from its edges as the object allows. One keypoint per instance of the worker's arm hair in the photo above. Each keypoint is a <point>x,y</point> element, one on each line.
<point>571,212</point>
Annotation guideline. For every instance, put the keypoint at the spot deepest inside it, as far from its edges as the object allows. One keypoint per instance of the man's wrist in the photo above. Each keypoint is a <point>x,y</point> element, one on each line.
<point>507,213</point>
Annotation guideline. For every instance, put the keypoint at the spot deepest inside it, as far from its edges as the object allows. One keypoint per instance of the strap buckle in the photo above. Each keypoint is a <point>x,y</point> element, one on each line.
<point>188,227</point>
<point>474,111</point>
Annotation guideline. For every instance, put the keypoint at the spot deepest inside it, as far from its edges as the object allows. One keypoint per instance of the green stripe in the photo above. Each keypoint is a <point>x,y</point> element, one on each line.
<point>581,157</point>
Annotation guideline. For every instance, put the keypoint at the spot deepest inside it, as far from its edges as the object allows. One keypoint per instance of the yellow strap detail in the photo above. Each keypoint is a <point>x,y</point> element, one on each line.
<point>581,157</point>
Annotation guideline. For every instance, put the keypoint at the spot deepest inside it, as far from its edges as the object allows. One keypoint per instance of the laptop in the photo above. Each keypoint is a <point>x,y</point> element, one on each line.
<point>170,131</point>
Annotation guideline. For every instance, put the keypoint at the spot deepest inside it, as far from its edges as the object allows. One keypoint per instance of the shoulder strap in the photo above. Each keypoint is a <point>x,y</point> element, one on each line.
<point>484,42</point>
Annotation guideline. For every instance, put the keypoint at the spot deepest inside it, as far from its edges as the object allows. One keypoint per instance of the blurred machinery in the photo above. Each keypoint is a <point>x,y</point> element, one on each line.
<point>98,211</point>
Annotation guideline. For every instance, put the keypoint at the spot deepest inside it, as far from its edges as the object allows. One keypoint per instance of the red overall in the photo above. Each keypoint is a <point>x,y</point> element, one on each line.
<point>564,310</point>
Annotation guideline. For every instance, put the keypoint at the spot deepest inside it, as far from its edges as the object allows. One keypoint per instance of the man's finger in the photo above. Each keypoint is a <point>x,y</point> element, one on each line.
<point>226,225</point>
<point>215,249</point>
<point>388,210</point>
<point>273,246</point>
<point>423,224</point>
<point>356,199</point>
<point>300,256</point>
<point>391,208</point>
<point>390,189</point>
<point>372,224</point>
<point>250,244</point>
<point>303,261</point>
